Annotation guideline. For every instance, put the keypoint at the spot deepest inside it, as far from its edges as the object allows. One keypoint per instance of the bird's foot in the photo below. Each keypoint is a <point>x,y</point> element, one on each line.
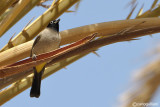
<point>34,57</point>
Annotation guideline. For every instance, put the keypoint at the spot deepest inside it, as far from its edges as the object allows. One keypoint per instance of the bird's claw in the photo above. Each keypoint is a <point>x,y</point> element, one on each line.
<point>34,57</point>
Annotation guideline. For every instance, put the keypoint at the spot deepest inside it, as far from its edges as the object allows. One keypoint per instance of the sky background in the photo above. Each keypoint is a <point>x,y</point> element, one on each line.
<point>91,81</point>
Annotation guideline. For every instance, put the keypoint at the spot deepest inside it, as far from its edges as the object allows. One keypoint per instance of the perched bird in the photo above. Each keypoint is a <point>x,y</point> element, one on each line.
<point>48,40</point>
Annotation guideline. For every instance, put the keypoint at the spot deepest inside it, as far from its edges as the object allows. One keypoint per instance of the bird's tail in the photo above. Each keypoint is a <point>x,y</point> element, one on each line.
<point>36,84</point>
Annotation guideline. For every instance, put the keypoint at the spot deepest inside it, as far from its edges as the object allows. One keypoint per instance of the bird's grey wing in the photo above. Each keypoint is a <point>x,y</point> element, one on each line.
<point>36,40</point>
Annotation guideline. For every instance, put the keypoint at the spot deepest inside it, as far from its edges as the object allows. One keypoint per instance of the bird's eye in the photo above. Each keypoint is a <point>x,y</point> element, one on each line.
<point>51,22</point>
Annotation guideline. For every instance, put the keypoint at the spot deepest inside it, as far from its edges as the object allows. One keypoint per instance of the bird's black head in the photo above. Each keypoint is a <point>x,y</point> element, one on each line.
<point>54,24</point>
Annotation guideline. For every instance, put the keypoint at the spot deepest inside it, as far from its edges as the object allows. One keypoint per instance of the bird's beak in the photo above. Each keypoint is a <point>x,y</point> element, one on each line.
<point>57,20</point>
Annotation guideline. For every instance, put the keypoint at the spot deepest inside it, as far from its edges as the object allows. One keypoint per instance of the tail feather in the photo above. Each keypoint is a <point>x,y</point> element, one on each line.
<point>36,84</point>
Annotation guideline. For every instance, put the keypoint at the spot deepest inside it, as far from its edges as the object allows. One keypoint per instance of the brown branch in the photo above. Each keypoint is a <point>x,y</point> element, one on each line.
<point>68,36</point>
<point>119,37</point>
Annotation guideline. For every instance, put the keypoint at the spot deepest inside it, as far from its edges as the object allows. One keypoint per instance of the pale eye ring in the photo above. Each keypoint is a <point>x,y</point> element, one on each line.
<point>51,22</point>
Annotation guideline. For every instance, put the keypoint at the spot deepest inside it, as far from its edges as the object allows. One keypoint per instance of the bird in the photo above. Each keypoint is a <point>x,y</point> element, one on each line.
<point>47,40</point>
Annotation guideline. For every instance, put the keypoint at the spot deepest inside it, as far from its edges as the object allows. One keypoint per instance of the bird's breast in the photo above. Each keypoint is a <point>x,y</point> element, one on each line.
<point>49,41</point>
